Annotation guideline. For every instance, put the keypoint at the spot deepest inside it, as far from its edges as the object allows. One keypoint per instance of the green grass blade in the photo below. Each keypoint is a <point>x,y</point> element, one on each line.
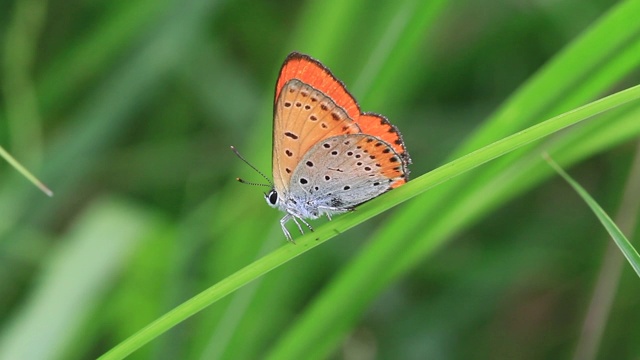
<point>404,240</point>
<point>360,280</point>
<point>578,65</point>
<point>104,115</point>
<point>22,170</point>
<point>368,210</point>
<point>607,285</point>
<point>625,246</point>
<point>409,22</point>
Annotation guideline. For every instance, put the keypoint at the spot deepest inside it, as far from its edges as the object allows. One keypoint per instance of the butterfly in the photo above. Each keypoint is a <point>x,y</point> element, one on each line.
<point>328,156</point>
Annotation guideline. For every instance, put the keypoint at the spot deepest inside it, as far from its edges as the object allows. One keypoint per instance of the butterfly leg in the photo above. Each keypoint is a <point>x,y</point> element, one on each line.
<point>304,222</point>
<point>283,221</point>
<point>295,220</point>
<point>286,232</point>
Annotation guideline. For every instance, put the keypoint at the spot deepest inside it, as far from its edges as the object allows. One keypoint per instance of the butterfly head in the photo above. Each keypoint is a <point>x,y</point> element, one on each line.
<point>272,198</point>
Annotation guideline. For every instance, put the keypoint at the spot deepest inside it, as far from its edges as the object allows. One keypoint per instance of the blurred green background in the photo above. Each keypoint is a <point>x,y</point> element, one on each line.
<point>126,110</point>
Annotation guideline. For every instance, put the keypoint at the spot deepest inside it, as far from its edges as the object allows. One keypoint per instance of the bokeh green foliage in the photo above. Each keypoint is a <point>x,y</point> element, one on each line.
<point>132,107</point>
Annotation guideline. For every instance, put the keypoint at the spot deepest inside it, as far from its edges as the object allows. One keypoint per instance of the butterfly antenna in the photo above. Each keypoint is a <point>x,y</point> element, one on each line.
<point>254,168</point>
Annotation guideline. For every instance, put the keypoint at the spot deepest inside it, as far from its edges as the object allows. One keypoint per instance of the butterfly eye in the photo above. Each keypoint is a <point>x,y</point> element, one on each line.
<point>272,197</point>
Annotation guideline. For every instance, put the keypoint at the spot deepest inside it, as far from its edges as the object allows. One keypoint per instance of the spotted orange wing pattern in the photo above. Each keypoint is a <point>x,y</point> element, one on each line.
<point>311,72</point>
<point>304,116</point>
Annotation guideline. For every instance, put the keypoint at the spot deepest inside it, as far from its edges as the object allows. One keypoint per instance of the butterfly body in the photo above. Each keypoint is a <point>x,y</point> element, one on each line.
<point>328,156</point>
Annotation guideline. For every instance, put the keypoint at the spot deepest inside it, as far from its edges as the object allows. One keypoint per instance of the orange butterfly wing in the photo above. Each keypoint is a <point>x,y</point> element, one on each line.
<point>296,114</point>
<point>303,117</point>
<point>312,72</point>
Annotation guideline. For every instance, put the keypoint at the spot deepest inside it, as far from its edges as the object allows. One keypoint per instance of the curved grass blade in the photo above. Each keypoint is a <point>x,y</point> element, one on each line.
<point>323,325</point>
<point>404,240</point>
<point>625,246</point>
<point>607,284</point>
<point>368,210</point>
